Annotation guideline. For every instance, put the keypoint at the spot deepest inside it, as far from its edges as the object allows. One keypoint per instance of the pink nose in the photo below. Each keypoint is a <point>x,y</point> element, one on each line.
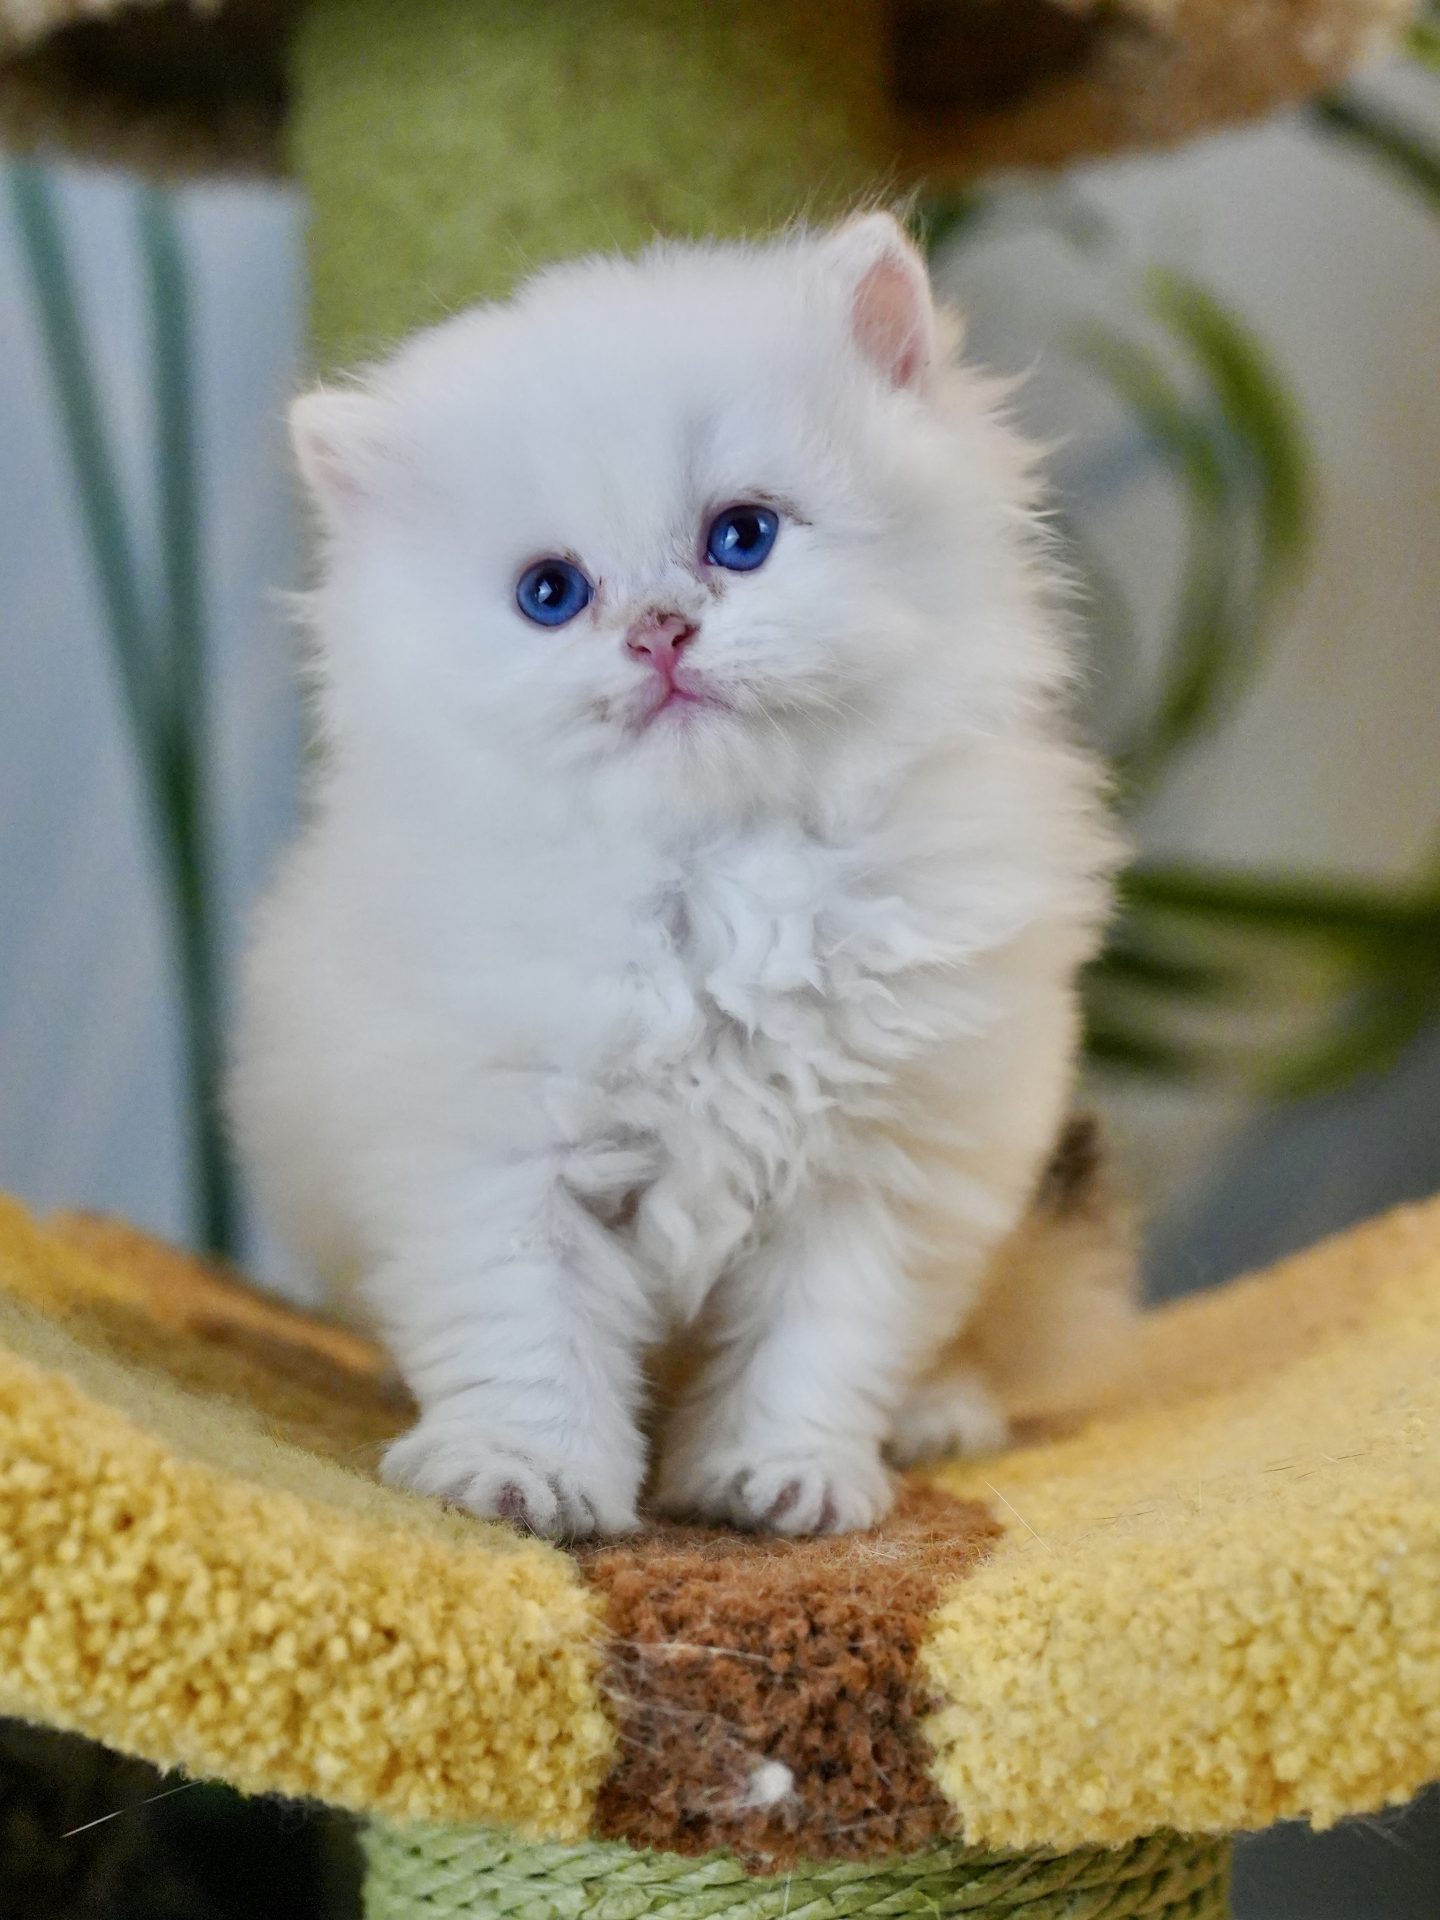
<point>658,637</point>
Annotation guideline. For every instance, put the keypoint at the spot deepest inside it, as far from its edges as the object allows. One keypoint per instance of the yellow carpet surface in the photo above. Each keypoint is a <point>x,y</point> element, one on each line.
<point>1214,1600</point>
<point>1218,1605</point>
<point>182,1581</point>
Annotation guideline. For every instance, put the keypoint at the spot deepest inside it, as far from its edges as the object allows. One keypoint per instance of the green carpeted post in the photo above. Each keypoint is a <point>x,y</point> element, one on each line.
<point>469,1873</point>
<point>447,146</point>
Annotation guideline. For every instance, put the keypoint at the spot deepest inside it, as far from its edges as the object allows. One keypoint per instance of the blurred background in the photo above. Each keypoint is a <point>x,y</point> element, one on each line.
<point>1234,352</point>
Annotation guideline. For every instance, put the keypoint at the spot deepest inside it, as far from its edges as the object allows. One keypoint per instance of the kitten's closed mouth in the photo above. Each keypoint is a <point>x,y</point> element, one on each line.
<point>679,696</point>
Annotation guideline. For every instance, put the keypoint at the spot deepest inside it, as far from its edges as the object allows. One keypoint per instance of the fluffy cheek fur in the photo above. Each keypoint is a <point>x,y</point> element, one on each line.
<point>790,656</point>
<point>572,1038</point>
<point>820,626</point>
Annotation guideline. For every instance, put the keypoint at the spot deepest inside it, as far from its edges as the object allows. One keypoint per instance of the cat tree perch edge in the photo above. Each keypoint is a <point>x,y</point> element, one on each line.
<point>445,145</point>
<point>1054,1682</point>
<point>1049,1686</point>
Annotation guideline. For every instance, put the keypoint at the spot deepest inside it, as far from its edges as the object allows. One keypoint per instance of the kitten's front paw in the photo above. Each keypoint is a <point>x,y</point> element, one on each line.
<point>955,1415</point>
<point>791,1490</point>
<point>510,1477</point>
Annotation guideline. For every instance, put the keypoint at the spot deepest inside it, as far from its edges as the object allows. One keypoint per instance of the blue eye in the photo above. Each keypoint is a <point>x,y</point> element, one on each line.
<point>740,538</point>
<point>552,592</point>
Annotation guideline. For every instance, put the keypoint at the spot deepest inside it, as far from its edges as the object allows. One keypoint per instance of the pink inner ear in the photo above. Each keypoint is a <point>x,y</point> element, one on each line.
<point>326,468</point>
<point>336,440</point>
<point>891,320</point>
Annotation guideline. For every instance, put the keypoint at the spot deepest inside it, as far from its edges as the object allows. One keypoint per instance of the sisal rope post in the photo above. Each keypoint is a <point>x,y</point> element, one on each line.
<point>471,1873</point>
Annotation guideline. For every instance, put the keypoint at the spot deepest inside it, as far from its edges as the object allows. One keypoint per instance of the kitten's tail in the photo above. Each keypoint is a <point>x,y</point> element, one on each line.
<point>1057,1320</point>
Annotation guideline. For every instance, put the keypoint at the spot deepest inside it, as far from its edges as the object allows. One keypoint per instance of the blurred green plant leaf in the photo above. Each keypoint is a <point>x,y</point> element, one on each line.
<point>1422,42</point>
<point>157,639</point>
<point>1380,950</point>
<point>1261,415</point>
<point>1370,1033</point>
<point>1124,1047</point>
<point>1288,906</point>
<point>1386,138</point>
<point>1200,648</point>
<point>1132,961</point>
<point>937,219</point>
<point>1236,448</point>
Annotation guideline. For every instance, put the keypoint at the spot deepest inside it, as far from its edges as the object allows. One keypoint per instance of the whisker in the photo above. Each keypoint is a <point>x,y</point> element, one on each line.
<point>134,1807</point>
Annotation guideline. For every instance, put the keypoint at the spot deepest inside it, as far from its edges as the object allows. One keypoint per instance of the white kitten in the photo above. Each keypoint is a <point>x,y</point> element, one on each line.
<point>682,943</point>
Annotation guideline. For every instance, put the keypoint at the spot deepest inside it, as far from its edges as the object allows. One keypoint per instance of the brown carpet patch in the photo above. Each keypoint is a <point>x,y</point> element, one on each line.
<point>735,1660</point>
<point>763,1689</point>
<point>314,1383</point>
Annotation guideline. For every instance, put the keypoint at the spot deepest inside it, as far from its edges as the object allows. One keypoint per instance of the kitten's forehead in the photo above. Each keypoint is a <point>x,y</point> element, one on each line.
<point>641,375</point>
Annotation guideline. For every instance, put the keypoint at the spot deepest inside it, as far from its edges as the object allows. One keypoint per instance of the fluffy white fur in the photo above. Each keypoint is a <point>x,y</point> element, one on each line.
<point>565,1035</point>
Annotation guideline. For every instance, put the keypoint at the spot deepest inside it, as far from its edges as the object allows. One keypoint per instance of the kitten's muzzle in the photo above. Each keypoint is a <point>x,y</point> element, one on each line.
<point>658,636</point>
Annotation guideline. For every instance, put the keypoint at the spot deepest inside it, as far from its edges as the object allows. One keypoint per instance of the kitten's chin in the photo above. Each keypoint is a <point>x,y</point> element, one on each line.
<point>708,757</point>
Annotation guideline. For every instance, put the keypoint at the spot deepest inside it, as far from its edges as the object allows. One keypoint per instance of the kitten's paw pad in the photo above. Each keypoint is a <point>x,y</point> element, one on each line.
<point>502,1479</point>
<point>787,1493</point>
<point>957,1416</point>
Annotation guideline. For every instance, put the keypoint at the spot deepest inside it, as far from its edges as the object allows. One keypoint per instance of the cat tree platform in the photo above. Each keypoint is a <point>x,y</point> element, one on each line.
<point>447,144</point>
<point>964,85</point>
<point>1050,1685</point>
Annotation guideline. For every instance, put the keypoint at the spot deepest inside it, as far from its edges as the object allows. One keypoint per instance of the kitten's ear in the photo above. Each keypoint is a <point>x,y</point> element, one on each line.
<point>338,434</point>
<point>892,316</point>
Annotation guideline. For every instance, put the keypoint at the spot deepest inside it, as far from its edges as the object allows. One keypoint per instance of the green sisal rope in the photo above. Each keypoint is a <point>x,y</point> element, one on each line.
<point>423,1873</point>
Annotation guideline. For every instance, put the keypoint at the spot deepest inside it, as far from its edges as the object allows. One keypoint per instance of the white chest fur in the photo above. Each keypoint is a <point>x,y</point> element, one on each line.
<point>772,995</point>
